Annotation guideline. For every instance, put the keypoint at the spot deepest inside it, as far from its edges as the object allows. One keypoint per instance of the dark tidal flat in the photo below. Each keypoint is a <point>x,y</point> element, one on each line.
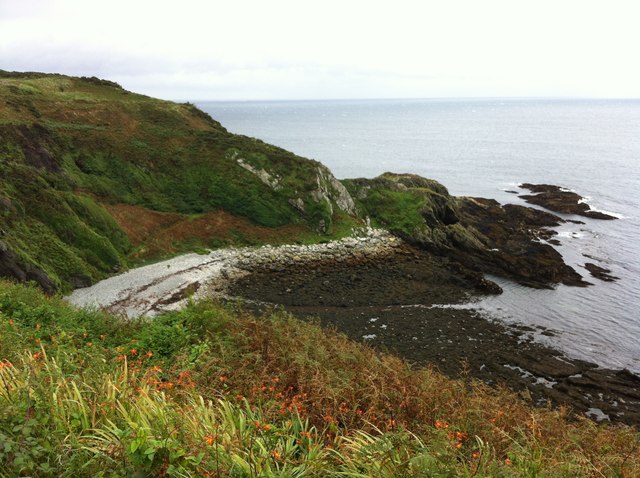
<point>411,304</point>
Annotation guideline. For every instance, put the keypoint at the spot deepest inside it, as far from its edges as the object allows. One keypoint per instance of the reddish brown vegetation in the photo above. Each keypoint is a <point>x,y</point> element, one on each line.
<point>160,233</point>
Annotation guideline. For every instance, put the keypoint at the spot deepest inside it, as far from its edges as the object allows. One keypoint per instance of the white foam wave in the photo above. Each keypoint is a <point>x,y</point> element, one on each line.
<point>586,199</point>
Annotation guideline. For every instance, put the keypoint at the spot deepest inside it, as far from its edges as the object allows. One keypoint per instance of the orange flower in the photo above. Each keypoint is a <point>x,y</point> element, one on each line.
<point>476,456</point>
<point>276,455</point>
<point>210,440</point>
<point>507,461</point>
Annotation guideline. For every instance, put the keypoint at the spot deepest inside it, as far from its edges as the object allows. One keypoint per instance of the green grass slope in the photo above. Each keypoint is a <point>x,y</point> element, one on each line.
<point>71,146</point>
<point>213,391</point>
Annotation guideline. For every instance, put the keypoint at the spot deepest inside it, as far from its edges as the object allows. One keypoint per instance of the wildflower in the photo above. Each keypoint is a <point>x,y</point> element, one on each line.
<point>441,425</point>
<point>223,378</point>
<point>507,461</point>
<point>276,455</point>
<point>239,397</point>
<point>149,354</point>
<point>476,456</point>
<point>85,335</point>
<point>103,336</point>
<point>133,352</point>
<point>210,440</point>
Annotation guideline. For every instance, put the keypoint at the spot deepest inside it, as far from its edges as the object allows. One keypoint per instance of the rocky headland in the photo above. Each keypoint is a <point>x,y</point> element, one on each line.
<point>561,200</point>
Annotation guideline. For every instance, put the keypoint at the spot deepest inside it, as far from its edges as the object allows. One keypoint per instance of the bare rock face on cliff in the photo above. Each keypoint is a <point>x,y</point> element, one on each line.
<point>12,267</point>
<point>480,234</point>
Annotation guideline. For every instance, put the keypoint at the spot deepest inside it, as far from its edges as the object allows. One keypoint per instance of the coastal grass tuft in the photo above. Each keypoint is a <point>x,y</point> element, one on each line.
<point>215,391</point>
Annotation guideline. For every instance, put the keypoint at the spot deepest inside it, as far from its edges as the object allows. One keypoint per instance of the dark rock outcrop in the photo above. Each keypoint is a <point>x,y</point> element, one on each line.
<point>600,272</point>
<point>560,200</point>
<point>11,267</point>
<point>33,140</point>
<point>479,234</point>
<point>514,239</point>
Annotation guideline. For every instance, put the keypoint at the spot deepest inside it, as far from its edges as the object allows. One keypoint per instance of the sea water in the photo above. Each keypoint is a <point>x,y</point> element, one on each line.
<point>486,147</point>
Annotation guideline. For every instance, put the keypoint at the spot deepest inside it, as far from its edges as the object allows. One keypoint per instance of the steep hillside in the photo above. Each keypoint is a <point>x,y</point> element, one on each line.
<point>93,176</point>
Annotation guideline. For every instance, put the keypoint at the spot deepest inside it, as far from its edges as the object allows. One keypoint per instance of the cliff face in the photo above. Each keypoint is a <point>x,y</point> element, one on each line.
<point>76,152</point>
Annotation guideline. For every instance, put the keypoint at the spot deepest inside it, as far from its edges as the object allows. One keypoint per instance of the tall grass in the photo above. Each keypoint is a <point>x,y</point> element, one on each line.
<point>84,394</point>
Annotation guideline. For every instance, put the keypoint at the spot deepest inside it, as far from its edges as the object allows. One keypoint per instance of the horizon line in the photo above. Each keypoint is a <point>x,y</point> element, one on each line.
<point>400,98</point>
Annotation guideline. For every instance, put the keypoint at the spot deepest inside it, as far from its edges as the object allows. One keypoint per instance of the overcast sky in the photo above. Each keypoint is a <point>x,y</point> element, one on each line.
<point>295,49</point>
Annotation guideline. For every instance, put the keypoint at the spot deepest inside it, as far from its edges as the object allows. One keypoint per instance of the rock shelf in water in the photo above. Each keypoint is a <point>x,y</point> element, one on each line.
<point>560,200</point>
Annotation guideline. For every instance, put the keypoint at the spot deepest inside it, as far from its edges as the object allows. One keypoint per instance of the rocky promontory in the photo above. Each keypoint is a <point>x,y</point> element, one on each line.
<point>561,200</point>
<point>479,234</point>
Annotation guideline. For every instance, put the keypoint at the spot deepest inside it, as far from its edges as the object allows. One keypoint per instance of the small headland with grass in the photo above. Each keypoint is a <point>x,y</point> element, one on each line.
<point>196,365</point>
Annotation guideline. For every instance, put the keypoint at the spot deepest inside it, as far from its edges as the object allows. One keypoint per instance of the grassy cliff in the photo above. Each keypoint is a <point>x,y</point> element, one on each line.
<point>93,176</point>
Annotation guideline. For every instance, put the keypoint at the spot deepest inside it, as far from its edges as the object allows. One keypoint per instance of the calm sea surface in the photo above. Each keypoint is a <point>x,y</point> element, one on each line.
<point>483,148</point>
